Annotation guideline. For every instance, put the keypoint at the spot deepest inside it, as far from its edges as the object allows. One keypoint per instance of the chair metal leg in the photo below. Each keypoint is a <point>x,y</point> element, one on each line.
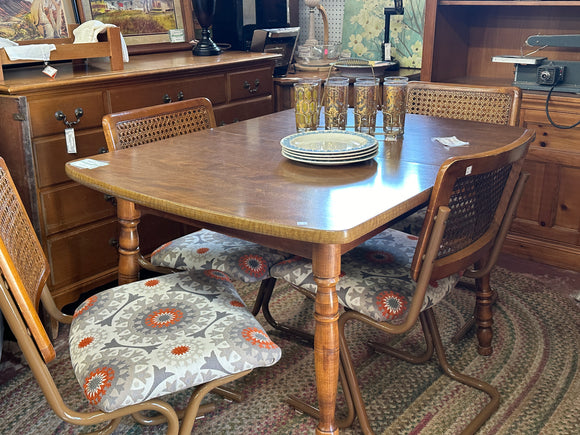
<point>406,356</point>
<point>265,294</point>
<point>493,393</point>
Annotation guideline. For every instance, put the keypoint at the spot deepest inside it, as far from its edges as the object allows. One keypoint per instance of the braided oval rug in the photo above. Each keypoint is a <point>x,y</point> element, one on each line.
<point>534,365</point>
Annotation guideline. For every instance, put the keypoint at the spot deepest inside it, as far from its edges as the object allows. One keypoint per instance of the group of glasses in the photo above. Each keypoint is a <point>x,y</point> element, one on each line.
<point>310,99</point>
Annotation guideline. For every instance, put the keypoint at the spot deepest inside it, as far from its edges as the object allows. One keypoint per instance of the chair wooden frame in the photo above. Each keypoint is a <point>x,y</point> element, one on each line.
<point>24,271</point>
<point>136,127</point>
<point>440,253</point>
<point>160,122</point>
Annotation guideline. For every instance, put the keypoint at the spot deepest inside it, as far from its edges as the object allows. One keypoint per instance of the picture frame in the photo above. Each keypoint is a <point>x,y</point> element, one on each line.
<point>36,20</point>
<point>144,24</point>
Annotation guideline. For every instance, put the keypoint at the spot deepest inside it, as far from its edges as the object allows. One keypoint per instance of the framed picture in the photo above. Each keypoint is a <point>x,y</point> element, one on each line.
<point>146,25</point>
<point>24,20</point>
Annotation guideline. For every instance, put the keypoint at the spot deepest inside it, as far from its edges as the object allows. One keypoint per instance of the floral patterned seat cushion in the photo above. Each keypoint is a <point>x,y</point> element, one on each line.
<point>204,249</point>
<point>375,279</point>
<point>150,338</point>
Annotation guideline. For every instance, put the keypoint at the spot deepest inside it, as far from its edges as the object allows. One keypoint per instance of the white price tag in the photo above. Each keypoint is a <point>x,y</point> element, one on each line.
<point>71,144</point>
<point>387,51</point>
<point>49,71</point>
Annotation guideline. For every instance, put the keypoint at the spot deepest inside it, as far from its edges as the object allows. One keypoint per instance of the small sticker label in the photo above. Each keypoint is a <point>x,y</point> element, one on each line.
<point>71,143</point>
<point>88,164</point>
<point>176,35</point>
<point>468,170</point>
<point>49,71</point>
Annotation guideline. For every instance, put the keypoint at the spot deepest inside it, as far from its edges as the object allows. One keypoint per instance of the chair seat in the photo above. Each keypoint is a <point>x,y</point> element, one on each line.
<point>204,249</point>
<point>374,278</point>
<point>162,335</point>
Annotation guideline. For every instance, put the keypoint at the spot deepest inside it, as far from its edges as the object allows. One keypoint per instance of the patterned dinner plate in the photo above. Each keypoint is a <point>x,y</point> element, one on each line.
<point>316,143</point>
<point>344,161</point>
<point>331,157</point>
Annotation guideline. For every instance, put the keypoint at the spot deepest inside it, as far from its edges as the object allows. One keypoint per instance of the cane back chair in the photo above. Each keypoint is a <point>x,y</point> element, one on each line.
<point>495,105</point>
<point>131,344</point>
<point>491,104</point>
<point>203,249</point>
<point>394,278</point>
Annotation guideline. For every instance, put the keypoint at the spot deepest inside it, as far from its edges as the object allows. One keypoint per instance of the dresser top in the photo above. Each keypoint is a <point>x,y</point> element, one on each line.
<point>30,78</point>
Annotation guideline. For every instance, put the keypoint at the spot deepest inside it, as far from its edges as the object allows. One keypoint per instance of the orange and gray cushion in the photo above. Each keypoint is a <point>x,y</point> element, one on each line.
<point>374,279</point>
<point>204,249</point>
<point>162,335</point>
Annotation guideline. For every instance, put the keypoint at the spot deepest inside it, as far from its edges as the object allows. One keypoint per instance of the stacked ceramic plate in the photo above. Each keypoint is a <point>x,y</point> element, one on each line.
<point>334,147</point>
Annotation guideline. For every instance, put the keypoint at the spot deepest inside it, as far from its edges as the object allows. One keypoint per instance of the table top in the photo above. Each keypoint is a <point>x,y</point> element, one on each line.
<point>235,177</point>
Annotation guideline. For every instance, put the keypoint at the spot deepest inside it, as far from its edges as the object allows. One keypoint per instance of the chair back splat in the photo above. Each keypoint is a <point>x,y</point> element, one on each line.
<point>149,124</point>
<point>477,189</point>
<point>491,104</point>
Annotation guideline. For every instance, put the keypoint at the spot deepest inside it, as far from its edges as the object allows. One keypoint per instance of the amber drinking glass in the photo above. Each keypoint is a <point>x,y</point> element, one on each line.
<point>365,104</point>
<point>335,103</point>
<point>394,106</point>
<point>307,104</point>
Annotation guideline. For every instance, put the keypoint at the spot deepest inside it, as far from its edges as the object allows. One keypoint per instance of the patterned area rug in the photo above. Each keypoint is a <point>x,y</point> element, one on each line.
<point>534,365</point>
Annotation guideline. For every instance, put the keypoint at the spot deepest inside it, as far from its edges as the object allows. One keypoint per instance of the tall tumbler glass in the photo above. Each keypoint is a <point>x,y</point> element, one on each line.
<point>394,106</point>
<point>365,104</point>
<point>336,103</point>
<point>307,104</point>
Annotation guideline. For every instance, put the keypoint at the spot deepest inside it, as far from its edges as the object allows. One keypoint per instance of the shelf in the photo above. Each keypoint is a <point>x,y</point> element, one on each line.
<point>109,45</point>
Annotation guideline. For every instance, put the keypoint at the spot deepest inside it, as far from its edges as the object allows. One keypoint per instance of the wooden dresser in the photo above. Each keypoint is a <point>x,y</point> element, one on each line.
<point>76,225</point>
<point>460,39</point>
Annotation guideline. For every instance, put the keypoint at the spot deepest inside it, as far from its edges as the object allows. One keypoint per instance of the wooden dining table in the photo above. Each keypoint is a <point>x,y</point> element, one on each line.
<point>234,179</point>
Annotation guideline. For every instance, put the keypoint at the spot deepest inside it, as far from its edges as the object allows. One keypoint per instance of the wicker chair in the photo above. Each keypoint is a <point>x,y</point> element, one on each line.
<point>242,260</point>
<point>153,334</point>
<point>394,278</point>
<point>494,105</point>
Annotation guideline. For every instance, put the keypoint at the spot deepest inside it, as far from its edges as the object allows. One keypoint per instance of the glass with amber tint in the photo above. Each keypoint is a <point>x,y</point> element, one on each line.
<point>365,104</point>
<point>335,103</point>
<point>394,106</point>
<point>307,104</point>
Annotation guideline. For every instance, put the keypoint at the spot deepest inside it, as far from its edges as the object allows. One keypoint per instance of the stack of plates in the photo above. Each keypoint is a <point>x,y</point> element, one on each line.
<point>334,147</point>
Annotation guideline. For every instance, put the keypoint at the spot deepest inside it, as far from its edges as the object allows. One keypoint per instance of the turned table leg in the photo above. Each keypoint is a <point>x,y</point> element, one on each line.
<point>129,217</point>
<point>326,269</point>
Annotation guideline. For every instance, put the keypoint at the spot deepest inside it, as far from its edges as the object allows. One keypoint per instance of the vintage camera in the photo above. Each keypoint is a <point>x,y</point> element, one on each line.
<point>550,74</point>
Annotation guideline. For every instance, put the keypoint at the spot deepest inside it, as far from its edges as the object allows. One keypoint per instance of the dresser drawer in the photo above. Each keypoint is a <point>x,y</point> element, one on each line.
<point>70,205</point>
<point>77,255</point>
<point>243,110</point>
<point>550,137</point>
<point>151,94</point>
<point>42,112</point>
<point>249,84</point>
<point>51,155</point>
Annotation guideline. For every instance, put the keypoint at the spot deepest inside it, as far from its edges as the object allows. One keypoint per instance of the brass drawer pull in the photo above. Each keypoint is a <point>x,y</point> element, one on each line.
<point>180,97</point>
<point>60,116</point>
<point>248,86</point>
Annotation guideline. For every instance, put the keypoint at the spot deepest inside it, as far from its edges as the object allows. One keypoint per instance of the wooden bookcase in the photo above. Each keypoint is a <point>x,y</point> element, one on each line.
<point>460,38</point>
